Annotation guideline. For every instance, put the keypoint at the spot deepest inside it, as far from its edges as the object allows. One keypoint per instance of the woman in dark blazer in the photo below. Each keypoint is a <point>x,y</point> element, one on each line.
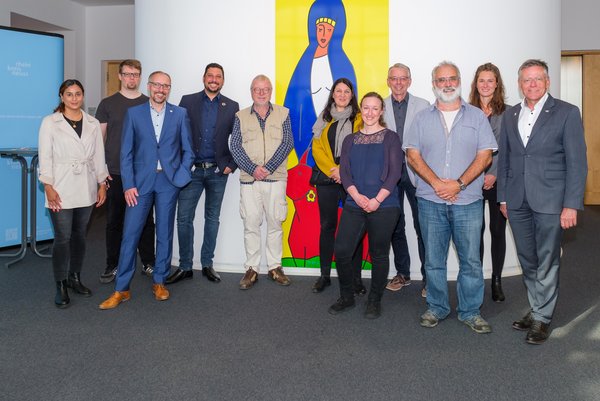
<point>487,93</point>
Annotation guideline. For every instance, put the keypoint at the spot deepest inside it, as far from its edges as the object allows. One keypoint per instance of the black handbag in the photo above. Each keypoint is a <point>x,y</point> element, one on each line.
<point>318,178</point>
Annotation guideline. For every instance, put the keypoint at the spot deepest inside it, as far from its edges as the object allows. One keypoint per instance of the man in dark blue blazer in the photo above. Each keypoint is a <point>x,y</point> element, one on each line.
<point>156,160</point>
<point>212,116</point>
<point>542,169</point>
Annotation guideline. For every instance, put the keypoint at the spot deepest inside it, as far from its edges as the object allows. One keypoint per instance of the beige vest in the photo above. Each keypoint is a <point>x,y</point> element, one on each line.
<point>260,146</point>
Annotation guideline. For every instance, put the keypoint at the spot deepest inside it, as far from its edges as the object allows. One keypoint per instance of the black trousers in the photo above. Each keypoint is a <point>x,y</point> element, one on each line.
<point>68,251</point>
<point>497,232</point>
<point>379,226</point>
<point>329,198</point>
<point>115,215</point>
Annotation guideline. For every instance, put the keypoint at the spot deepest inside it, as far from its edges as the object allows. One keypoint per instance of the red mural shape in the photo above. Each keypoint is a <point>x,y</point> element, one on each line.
<point>304,230</point>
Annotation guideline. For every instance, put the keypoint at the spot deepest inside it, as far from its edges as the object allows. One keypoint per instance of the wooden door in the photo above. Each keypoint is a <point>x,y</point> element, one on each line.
<point>110,74</point>
<point>591,124</point>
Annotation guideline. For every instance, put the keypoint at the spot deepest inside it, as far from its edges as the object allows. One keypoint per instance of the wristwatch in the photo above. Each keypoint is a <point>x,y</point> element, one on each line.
<point>461,184</point>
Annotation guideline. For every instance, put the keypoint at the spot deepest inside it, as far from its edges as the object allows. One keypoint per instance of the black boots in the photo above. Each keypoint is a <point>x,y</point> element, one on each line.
<point>74,282</point>
<point>497,294</point>
<point>61,300</point>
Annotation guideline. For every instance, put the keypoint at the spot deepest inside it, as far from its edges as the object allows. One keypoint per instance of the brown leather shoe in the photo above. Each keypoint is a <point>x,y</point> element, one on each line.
<point>160,292</point>
<point>278,276</point>
<point>249,279</point>
<point>115,299</point>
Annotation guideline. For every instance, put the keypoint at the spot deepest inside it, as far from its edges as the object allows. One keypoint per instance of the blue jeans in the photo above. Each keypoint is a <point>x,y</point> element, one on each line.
<point>214,185</point>
<point>461,223</point>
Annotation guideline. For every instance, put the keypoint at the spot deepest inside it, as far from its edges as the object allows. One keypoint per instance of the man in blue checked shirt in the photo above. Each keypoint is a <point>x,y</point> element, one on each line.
<point>260,144</point>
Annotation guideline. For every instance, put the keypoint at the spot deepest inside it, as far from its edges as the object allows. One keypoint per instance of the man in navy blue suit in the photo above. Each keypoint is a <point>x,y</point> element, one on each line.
<point>156,160</point>
<point>211,115</point>
<point>542,169</point>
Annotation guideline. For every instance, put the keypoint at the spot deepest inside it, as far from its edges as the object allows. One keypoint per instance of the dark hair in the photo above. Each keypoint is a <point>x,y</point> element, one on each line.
<point>497,103</point>
<point>61,90</point>
<point>133,63</point>
<point>377,96</point>
<point>215,65</point>
<point>353,102</point>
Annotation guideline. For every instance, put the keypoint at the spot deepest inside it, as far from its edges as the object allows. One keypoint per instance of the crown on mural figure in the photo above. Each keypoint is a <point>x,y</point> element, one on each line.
<point>326,20</point>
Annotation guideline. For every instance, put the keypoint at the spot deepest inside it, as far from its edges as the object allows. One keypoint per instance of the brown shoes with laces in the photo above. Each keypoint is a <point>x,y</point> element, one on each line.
<point>115,299</point>
<point>278,276</point>
<point>249,279</point>
<point>160,292</point>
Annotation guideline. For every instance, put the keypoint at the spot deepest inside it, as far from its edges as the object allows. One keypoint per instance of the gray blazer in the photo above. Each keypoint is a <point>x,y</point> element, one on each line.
<point>549,172</point>
<point>415,104</point>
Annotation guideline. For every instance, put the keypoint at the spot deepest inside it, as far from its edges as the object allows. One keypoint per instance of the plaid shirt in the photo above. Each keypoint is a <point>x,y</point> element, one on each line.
<point>241,157</point>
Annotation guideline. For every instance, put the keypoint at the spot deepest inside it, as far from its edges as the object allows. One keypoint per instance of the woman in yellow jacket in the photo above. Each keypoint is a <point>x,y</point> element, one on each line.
<point>340,118</point>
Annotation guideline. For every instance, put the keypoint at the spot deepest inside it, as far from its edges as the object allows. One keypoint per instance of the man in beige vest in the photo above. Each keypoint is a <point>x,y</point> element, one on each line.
<point>260,143</point>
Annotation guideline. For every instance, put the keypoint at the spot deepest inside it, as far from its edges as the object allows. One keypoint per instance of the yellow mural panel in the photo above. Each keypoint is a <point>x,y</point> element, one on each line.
<point>316,43</point>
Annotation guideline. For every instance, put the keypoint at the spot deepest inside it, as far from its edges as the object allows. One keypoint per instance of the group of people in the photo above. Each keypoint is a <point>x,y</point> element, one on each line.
<point>143,153</point>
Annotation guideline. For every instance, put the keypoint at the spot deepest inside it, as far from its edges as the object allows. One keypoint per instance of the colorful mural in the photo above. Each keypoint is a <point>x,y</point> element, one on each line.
<point>337,32</point>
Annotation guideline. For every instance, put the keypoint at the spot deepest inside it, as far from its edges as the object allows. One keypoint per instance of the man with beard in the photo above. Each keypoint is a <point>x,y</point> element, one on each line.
<point>211,117</point>
<point>111,113</point>
<point>449,145</point>
<point>156,161</point>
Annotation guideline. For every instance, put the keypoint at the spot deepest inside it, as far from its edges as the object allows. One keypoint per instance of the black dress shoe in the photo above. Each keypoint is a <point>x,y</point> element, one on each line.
<point>359,288</point>
<point>320,284</point>
<point>211,274</point>
<point>61,300</point>
<point>538,333</point>
<point>524,323</point>
<point>373,310</point>
<point>179,275</point>
<point>74,283</point>
<point>341,305</point>
<point>497,294</point>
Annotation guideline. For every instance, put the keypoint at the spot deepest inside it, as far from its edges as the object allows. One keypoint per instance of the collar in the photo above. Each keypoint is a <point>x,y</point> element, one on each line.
<point>252,111</point>
<point>538,106</point>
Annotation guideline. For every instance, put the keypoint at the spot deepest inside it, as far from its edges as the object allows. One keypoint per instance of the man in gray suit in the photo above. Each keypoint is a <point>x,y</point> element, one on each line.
<point>400,109</point>
<point>542,169</point>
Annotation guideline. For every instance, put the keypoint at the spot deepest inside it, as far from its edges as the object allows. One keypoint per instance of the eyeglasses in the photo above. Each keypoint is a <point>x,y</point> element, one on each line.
<point>260,91</point>
<point>130,74</point>
<point>158,85</point>
<point>537,80</point>
<point>442,80</point>
<point>398,79</point>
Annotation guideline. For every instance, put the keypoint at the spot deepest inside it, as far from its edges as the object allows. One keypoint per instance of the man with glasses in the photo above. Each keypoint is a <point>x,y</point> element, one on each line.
<point>449,145</point>
<point>111,113</point>
<point>211,115</point>
<point>400,110</point>
<point>542,169</point>
<point>156,161</point>
<point>260,143</point>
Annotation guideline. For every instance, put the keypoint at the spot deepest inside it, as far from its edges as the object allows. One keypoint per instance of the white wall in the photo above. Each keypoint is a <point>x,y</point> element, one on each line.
<point>109,36</point>
<point>580,27</point>
<point>421,35</point>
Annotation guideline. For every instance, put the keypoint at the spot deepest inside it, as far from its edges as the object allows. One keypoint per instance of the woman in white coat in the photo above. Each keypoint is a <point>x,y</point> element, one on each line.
<point>73,171</point>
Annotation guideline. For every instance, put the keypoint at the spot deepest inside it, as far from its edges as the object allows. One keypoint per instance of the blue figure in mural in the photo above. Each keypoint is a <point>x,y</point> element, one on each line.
<point>322,63</point>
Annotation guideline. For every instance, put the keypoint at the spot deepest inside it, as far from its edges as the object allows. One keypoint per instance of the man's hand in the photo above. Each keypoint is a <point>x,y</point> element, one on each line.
<point>131,197</point>
<point>372,205</point>
<point>227,171</point>
<point>260,173</point>
<point>447,189</point>
<point>503,210</point>
<point>568,218</point>
<point>488,181</point>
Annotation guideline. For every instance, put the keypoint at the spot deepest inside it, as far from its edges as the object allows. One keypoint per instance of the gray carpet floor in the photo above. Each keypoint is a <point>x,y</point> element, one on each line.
<point>214,342</point>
